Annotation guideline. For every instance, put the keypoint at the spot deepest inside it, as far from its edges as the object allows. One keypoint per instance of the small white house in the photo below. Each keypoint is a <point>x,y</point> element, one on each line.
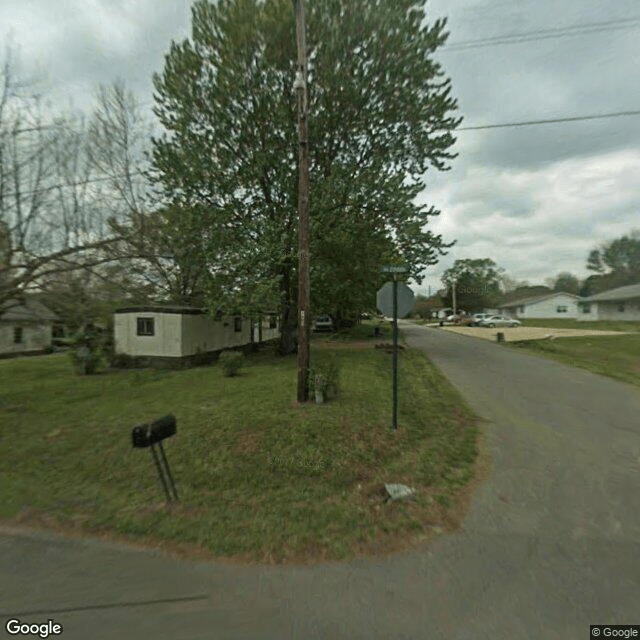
<point>164,335</point>
<point>552,305</point>
<point>622,303</point>
<point>25,328</point>
<point>441,312</point>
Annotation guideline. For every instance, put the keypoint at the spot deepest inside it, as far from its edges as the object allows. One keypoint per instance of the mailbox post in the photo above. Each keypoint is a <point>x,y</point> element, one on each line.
<point>148,435</point>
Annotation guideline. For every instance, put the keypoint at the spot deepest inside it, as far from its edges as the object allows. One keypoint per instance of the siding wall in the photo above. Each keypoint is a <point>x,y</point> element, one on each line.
<point>166,340</point>
<point>181,335</point>
<point>547,308</point>
<point>591,315</point>
<point>35,336</point>
<point>611,311</point>
<point>200,333</point>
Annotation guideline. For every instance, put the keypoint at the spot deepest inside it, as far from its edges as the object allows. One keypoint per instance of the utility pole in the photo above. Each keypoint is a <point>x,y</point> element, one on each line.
<point>453,289</point>
<point>300,85</point>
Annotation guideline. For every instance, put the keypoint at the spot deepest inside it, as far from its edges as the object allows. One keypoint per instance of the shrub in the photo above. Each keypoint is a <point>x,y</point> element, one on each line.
<point>325,377</point>
<point>122,361</point>
<point>85,360</point>
<point>231,362</point>
<point>87,351</point>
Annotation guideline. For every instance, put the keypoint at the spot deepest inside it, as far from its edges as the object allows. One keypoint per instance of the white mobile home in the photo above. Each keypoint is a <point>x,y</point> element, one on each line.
<point>25,328</point>
<point>622,303</point>
<point>553,305</point>
<point>156,335</point>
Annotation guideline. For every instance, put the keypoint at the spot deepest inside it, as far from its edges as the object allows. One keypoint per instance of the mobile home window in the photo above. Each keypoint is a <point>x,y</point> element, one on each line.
<point>561,309</point>
<point>237,325</point>
<point>521,309</point>
<point>145,327</point>
<point>586,308</point>
<point>273,322</point>
<point>17,335</point>
<point>621,306</point>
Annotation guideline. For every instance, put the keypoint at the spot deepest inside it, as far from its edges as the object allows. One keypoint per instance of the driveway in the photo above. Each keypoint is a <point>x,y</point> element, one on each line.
<point>550,545</point>
<point>527,333</point>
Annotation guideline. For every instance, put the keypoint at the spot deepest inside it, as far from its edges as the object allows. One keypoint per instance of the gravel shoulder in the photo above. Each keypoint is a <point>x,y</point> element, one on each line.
<point>512,334</point>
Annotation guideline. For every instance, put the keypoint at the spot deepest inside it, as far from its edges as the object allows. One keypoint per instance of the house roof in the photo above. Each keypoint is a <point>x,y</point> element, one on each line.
<point>524,301</point>
<point>31,311</point>
<point>621,293</point>
<point>161,309</point>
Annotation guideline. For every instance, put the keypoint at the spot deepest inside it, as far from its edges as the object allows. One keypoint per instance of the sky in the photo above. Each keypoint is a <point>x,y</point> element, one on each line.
<point>534,199</point>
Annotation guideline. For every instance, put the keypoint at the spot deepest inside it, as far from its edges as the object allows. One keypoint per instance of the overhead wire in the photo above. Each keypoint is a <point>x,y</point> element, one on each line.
<point>514,38</point>
<point>545,34</point>
<point>550,120</point>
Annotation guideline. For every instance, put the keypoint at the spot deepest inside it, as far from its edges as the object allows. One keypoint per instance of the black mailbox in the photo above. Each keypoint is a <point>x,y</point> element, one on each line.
<point>148,435</point>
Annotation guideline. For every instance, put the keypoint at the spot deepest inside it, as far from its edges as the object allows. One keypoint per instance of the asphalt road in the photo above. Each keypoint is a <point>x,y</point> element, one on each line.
<point>550,545</point>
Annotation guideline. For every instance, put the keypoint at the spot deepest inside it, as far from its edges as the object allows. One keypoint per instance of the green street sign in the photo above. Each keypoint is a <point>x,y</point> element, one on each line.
<point>394,269</point>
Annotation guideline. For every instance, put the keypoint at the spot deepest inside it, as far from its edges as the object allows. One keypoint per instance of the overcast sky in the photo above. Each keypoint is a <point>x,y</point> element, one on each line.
<point>535,199</point>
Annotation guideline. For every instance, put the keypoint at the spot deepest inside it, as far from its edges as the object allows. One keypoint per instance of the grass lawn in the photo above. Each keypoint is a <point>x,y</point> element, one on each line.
<point>570,323</point>
<point>260,478</point>
<point>614,356</point>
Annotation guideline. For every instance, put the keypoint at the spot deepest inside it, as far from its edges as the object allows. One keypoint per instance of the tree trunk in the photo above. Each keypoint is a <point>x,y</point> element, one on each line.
<point>288,342</point>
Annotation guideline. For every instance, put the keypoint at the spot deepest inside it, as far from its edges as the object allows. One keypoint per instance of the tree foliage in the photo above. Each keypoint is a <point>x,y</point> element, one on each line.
<point>617,262</point>
<point>620,256</point>
<point>59,201</point>
<point>566,282</point>
<point>524,291</point>
<point>380,115</point>
<point>477,284</point>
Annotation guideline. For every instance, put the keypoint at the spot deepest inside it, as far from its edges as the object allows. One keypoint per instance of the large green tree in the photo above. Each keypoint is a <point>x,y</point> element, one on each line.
<point>615,264</point>
<point>380,115</point>
<point>566,282</point>
<point>477,284</point>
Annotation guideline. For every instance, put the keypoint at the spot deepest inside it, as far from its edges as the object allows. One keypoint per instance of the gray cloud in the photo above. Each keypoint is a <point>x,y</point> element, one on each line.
<point>534,199</point>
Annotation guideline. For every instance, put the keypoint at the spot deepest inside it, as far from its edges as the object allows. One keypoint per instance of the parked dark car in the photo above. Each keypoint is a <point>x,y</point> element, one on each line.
<point>323,323</point>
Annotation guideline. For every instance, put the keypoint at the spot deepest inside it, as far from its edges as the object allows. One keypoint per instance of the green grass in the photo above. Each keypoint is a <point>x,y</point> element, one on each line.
<point>363,331</point>
<point>259,476</point>
<point>570,323</point>
<point>614,356</point>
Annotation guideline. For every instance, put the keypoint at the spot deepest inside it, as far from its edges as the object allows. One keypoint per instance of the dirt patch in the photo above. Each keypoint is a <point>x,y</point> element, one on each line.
<point>343,344</point>
<point>514,334</point>
<point>247,442</point>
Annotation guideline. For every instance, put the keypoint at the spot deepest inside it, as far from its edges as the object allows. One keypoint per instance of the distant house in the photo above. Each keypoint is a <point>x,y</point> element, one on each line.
<point>552,305</point>
<point>25,328</point>
<point>166,335</point>
<point>441,312</point>
<point>622,303</point>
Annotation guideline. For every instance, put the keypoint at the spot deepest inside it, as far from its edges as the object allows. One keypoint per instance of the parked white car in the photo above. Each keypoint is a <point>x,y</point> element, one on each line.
<point>477,318</point>
<point>499,321</point>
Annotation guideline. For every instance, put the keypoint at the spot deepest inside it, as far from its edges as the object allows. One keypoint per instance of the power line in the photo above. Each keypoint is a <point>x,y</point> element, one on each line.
<point>550,120</point>
<point>544,34</point>
<point>472,128</point>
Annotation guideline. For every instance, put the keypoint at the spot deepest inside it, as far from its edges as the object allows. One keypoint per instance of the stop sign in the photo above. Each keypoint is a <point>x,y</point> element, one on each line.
<point>384,299</point>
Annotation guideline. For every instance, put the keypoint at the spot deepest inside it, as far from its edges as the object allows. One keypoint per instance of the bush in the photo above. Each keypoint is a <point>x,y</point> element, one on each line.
<point>122,361</point>
<point>85,360</point>
<point>87,351</point>
<point>231,362</point>
<point>325,377</point>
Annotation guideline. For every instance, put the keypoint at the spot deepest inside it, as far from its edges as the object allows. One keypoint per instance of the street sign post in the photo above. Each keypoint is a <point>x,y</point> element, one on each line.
<point>390,268</point>
<point>395,299</point>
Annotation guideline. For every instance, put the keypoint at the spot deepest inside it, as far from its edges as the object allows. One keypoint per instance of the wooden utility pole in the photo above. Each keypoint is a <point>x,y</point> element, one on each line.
<point>300,85</point>
<point>453,289</point>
